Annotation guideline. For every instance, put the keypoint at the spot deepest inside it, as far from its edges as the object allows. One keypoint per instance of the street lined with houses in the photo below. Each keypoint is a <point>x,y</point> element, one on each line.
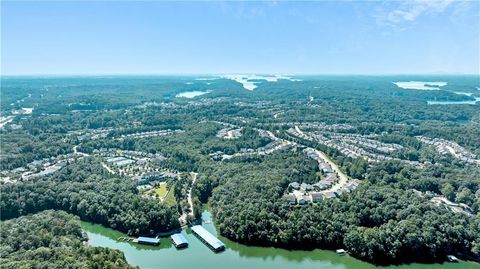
<point>333,184</point>
<point>353,145</point>
<point>448,147</point>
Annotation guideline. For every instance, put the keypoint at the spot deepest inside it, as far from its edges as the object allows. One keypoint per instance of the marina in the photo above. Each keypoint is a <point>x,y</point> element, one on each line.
<point>213,242</point>
<point>179,240</point>
<point>240,134</point>
<point>235,255</point>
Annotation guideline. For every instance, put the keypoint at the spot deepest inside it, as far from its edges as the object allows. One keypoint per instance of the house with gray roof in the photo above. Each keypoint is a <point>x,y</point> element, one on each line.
<point>294,185</point>
<point>316,197</point>
<point>329,194</point>
<point>303,200</point>
<point>306,187</point>
<point>291,199</point>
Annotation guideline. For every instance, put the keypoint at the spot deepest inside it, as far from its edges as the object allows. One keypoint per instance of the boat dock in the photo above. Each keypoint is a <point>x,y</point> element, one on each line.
<point>179,240</point>
<point>148,241</point>
<point>125,238</point>
<point>213,242</point>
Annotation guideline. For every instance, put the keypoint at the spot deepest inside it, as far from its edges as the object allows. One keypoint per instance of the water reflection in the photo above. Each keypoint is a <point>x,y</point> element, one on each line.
<point>236,255</point>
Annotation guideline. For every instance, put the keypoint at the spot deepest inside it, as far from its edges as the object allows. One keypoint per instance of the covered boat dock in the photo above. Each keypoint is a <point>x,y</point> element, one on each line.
<point>208,238</point>
<point>148,241</point>
<point>179,240</point>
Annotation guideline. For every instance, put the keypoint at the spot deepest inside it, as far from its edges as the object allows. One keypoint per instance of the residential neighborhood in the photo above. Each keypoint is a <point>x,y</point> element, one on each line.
<point>353,145</point>
<point>448,147</point>
<point>333,184</point>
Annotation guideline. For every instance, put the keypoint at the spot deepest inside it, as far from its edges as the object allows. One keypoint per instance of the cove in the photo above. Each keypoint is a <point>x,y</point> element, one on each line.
<point>236,255</point>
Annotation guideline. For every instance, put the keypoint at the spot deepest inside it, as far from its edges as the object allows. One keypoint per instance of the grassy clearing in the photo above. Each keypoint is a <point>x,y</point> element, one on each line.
<point>170,199</point>
<point>162,190</point>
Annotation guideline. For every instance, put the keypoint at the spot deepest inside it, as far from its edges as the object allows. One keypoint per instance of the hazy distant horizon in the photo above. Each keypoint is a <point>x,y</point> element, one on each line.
<point>236,73</point>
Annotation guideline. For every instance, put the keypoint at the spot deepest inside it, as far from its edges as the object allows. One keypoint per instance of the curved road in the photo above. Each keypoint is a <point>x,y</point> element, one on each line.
<point>183,217</point>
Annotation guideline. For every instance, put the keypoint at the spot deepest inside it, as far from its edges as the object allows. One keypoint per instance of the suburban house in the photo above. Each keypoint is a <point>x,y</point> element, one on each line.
<point>294,185</point>
<point>316,196</point>
<point>291,199</point>
<point>306,187</point>
<point>303,200</point>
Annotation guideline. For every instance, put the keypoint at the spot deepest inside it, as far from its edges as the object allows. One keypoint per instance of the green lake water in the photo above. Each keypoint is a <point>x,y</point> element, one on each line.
<point>199,256</point>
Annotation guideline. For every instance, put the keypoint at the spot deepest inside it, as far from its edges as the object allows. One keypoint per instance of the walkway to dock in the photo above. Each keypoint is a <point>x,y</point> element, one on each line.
<point>125,238</point>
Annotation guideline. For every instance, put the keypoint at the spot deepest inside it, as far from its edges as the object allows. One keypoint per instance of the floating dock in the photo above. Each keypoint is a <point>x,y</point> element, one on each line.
<point>148,241</point>
<point>208,238</point>
<point>179,240</point>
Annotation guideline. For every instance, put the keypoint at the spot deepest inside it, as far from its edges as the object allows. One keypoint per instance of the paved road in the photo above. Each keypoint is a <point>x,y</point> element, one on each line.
<point>183,218</point>
<point>190,202</point>
<point>343,178</point>
<point>298,130</point>
<point>75,151</point>
<point>108,168</point>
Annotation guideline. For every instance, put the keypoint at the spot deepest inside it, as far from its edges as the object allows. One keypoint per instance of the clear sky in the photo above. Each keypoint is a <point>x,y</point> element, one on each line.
<point>118,37</point>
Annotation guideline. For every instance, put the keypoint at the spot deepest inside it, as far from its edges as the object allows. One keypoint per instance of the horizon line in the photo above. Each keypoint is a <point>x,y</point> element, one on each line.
<point>234,73</point>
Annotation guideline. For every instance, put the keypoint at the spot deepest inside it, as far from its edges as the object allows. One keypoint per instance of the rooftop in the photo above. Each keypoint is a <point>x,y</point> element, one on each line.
<point>179,239</point>
<point>148,240</point>
<point>208,237</point>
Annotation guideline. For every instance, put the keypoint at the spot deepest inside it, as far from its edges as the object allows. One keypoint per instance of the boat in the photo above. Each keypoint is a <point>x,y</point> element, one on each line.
<point>341,251</point>
<point>452,258</point>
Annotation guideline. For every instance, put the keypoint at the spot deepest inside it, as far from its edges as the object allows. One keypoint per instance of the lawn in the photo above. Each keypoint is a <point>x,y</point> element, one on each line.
<point>162,190</point>
<point>170,199</point>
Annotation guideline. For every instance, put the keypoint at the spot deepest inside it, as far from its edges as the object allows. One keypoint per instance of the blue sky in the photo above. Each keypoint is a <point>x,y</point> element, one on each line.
<point>118,37</point>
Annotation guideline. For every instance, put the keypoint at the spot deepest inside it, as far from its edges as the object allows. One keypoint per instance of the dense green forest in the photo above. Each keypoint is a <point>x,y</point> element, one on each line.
<point>383,221</point>
<point>84,189</point>
<point>52,239</point>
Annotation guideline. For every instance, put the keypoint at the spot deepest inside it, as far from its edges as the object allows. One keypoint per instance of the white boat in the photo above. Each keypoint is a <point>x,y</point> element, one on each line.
<point>452,258</point>
<point>340,251</point>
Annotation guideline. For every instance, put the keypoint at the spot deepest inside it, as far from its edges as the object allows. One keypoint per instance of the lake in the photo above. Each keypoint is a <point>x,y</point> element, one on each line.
<point>473,102</point>
<point>191,94</point>
<point>236,255</point>
<point>420,85</point>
